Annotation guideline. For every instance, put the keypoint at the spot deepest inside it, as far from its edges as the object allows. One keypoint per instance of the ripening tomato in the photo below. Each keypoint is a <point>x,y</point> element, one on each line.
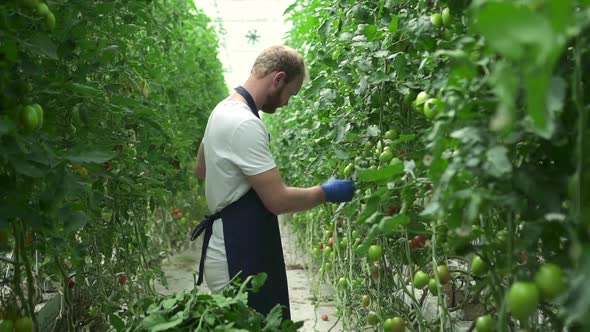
<point>331,242</point>
<point>122,279</point>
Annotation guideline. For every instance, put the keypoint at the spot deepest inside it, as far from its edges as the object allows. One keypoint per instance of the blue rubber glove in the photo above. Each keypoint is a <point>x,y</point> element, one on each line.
<point>338,190</point>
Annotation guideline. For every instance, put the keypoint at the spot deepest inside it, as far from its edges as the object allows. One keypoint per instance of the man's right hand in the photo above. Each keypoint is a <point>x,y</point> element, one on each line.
<point>338,190</point>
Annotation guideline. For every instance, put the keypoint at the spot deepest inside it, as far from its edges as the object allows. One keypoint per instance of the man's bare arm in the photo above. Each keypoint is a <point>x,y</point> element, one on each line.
<point>279,199</point>
<point>200,170</point>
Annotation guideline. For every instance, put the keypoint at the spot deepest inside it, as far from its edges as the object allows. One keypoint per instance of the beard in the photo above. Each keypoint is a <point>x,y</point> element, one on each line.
<point>273,101</point>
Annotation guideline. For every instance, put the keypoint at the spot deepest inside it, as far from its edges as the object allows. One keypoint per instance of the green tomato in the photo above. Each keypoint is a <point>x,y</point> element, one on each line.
<point>436,19</point>
<point>386,156</point>
<point>550,280</point>
<point>443,274</point>
<point>348,169</point>
<point>484,324</point>
<point>446,17</point>
<point>395,161</point>
<point>50,21</point>
<point>342,282</point>
<point>328,267</point>
<point>29,119</point>
<point>327,251</point>
<point>6,326</point>
<point>421,279</point>
<point>420,99</point>
<point>433,286</point>
<point>23,324</point>
<point>375,253</point>
<point>328,233</point>
<point>39,112</point>
<point>43,10</point>
<point>478,266</point>
<point>395,324</point>
<point>366,300</point>
<point>431,107</point>
<point>316,252</point>
<point>523,298</point>
<point>343,244</point>
<point>390,134</point>
<point>372,318</point>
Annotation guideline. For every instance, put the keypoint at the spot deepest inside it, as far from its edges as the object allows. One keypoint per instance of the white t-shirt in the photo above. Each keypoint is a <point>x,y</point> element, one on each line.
<point>236,145</point>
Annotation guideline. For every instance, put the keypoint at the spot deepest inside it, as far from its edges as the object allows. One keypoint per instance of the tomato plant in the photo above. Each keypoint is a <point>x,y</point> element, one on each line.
<point>97,139</point>
<point>482,106</point>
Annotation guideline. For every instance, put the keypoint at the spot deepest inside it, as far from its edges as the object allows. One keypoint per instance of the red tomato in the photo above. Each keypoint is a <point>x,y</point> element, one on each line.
<point>331,242</point>
<point>122,279</point>
<point>71,283</point>
<point>324,317</point>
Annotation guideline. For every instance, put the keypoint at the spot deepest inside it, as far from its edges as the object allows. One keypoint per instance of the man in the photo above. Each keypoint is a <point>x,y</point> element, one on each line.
<point>243,187</point>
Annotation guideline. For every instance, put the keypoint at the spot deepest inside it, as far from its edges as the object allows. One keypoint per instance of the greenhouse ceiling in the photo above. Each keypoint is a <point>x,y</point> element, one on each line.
<point>245,28</point>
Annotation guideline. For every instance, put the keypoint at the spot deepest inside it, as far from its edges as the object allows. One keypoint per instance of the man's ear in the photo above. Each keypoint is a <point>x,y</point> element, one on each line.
<point>280,77</point>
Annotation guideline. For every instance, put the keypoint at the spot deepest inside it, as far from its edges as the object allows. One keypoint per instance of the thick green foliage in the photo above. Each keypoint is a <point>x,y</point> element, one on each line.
<point>491,109</point>
<point>125,89</point>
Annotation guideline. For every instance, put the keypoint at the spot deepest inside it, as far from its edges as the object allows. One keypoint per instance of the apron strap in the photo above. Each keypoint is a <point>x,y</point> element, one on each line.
<point>244,93</point>
<point>206,225</point>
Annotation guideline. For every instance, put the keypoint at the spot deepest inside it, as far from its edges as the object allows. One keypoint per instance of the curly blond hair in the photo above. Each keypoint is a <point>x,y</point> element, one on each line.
<point>279,58</point>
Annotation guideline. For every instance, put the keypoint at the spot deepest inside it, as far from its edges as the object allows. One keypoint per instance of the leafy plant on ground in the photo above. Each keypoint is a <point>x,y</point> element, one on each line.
<point>192,311</point>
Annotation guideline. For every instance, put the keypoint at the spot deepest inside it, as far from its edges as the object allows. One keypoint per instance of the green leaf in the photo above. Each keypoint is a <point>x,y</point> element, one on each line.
<point>41,45</point>
<point>169,304</point>
<point>173,322</point>
<point>273,319</point>
<point>370,208</point>
<point>258,281</point>
<point>73,220</point>
<point>97,157</point>
<point>28,168</point>
<point>393,24</point>
<point>514,30</point>
<point>152,320</point>
<point>385,173</point>
<point>537,85</point>
<point>388,225</point>
<point>6,125</point>
<point>498,163</point>
<point>117,323</point>
<point>83,89</point>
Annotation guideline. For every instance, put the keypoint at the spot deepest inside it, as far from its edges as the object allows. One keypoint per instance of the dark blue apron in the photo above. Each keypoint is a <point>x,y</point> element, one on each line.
<point>252,244</point>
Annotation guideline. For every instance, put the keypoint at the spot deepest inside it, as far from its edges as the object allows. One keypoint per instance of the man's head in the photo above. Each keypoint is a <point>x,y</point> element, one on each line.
<point>282,70</point>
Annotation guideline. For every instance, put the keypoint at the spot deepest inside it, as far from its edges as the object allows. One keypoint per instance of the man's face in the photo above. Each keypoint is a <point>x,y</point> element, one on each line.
<point>280,94</point>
